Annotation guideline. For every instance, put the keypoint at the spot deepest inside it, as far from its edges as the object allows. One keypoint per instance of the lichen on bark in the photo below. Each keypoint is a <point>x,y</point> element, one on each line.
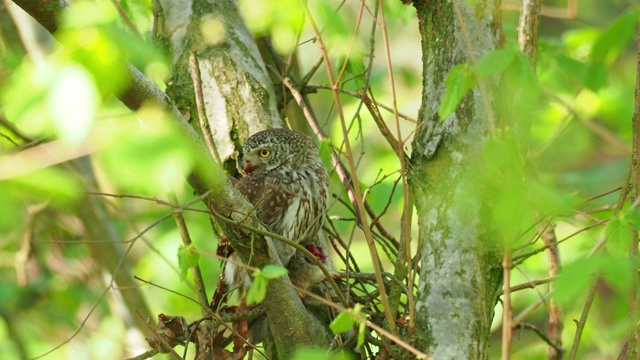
<point>460,270</point>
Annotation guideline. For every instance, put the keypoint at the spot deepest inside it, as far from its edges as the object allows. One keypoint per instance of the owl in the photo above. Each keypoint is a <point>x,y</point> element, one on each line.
<point>287,184</point>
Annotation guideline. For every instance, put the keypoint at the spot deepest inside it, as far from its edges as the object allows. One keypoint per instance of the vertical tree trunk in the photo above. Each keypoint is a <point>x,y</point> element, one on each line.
<point>460,274</point>
<point>239,97</point>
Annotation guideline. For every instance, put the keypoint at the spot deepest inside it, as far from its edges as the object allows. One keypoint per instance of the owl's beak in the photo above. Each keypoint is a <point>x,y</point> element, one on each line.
<point>248,167</point>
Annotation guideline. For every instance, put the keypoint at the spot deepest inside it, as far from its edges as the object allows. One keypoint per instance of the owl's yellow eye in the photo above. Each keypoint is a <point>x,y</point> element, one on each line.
<point>264,152</point>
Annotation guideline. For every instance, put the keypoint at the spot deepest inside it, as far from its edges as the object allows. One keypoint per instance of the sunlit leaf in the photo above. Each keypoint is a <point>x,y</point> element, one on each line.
<point>595,76</point>
<point>324,151</point>
<point>283,19</point>
<point>618,271</point>
<point>150,156</point>
<point>72,102</point>
<point>502,156</point>
<point>48,184</point>
<point>362,331</point>
<point>336,25</point>
<point>273,272</point>
<point>633,217</point>
<point>398,11</point>
<point>25,99</point>
<point>258,289</point>
<point>494,62</point>
<point>616,38</point>
<point>459,81</point>
<point>187,259</point>
<point>619,235</point>
<point>261,277</point>
<point>343,322</point>
<point>574,280</point>
<point>11,208</point>
<point>338,30</point>
<point>319,354</point>
<point>355,72</point>
<point>524,73</point>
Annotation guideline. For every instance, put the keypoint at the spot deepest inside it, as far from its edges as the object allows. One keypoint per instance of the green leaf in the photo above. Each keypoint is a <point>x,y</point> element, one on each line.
<point>527,77</point>
<point>502,155</point>
<point>362,328</point>
<point>337,30</point>
<point>318,354</point>
<point>187,259</point>
<point>324,151</point>
<point>356,72</point>
<point>595,76</point>
<point>617,271</point>
<point>343,322</point>
<point>494,62</point>
<point>149,156</point>
<point>258,289</point>
<point>273,272</point>
<point>616,38</point>
<point>51,184</point>
<point>11,208</point>
<point>459,81</point>
<point>574,280</point>
<point>619,235</point>
<point>633,217</point>
<point>72,102</point>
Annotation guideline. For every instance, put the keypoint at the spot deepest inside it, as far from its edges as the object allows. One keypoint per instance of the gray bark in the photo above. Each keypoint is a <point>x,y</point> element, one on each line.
<point>460,269</point>
<point>239,98</point>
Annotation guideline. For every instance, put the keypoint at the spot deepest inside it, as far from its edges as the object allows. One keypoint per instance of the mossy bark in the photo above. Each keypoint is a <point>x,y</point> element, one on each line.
<point>460,276</point>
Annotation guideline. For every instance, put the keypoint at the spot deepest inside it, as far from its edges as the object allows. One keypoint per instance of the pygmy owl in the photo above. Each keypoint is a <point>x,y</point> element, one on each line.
<point>288,186</point>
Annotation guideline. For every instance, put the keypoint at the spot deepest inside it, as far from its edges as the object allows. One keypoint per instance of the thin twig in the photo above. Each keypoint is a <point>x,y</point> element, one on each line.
<point>350,48</point>
<point>107,288</point>
<point>158,336</point>
<point>195,271</point>
<point>583,317</point>
<point>632,297</point>
<point>375,259</point>
<point>530,284</point>
<point>594,287</point>
<point>529,309</point>
<point>506,304</point>
<point>313,258</point>
<point>132,27</point>
<point>4,122</point>
<point>406,213</point>
<point>359,96</point>
<point>554,327</point>
<point>556,346</point>
<point>382,126</point>
<point>521,258</point>
<point>335,160</point>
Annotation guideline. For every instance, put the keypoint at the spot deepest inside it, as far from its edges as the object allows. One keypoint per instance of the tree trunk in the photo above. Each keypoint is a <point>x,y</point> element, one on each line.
<point>239,95</point>
<point>460,274</point>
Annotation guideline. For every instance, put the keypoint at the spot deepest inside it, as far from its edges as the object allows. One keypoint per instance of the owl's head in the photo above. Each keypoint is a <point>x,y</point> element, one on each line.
<point>273,148</point>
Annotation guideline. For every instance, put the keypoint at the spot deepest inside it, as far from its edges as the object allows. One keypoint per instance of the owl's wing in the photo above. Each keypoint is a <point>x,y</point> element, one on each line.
<point>271,196</point>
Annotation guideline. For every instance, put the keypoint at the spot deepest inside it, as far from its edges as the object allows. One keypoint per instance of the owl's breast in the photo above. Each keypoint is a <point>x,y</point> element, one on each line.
<point>291,203</point>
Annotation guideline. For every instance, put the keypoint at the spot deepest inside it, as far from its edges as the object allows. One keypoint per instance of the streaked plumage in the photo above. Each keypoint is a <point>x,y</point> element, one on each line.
<point>288,186</point>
